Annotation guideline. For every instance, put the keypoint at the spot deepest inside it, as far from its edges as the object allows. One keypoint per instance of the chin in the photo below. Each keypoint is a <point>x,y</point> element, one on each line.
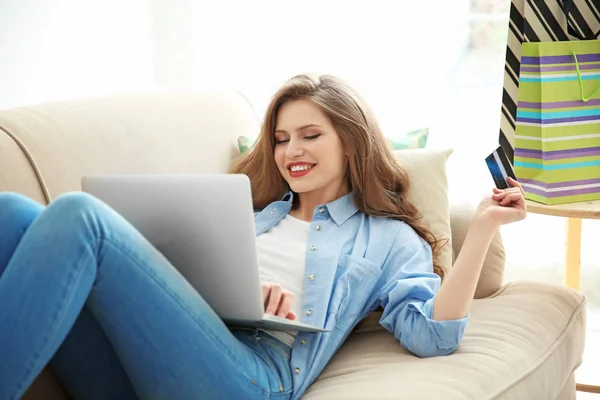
<point>297,187</point>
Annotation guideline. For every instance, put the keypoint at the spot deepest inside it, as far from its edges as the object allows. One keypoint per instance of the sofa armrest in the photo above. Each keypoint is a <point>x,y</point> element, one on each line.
<point>492,274</point>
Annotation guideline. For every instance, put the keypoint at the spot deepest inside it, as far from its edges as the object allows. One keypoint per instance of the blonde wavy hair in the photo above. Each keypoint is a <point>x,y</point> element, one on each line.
<point>377,181</point>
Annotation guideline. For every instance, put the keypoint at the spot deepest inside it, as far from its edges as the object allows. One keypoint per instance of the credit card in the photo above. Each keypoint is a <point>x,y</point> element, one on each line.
<point>500,168</point>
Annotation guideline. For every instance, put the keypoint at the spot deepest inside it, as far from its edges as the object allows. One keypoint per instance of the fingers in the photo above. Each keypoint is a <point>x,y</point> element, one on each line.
<point>277,300</point>
<point>500,194</point>
<point>516,184</point>
<point>510,198</point>
<point>265,292</point>
<point>291,315</point>
<point>285,305</point>
<point>274,299</point>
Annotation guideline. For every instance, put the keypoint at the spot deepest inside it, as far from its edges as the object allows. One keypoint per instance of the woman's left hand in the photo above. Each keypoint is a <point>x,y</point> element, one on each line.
<point>504,206</point>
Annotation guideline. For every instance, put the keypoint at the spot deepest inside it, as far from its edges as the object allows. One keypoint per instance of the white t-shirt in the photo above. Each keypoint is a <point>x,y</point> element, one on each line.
<point>281,253</point>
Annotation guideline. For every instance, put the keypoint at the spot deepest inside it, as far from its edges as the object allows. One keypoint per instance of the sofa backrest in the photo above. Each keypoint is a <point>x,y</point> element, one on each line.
<point>45,149</point>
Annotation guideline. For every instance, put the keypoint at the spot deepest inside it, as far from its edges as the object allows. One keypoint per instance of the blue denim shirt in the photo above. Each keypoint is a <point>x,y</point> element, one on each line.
<point>354,264</point>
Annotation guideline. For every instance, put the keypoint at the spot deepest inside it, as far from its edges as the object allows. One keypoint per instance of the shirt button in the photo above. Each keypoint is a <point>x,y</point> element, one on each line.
<point>297,371</point>
<point>309,312</point>
<point>318,227</point>
<point>303,342</point>
<point>273,211</point>
<point>311,277</point>
<point>313,247</point>
<point>321,210</point>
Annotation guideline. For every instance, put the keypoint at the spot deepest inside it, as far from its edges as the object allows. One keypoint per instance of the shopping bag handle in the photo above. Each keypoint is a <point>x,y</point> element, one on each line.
<point>567,4</point>
<point>583,98</point>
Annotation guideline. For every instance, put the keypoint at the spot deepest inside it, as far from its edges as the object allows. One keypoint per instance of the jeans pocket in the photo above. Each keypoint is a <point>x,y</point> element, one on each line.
<point>276,355</point>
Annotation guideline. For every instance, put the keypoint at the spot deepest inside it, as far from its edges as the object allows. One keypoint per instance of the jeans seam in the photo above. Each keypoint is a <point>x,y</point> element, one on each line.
<point>73,277</point>
<point>268,360</point>
<point>226,353</point>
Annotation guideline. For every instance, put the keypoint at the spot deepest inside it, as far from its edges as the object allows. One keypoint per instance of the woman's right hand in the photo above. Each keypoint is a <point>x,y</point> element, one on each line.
<point>277,300</point>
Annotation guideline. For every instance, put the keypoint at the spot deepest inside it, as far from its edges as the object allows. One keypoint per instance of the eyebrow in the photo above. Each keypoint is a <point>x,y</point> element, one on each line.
<point>301,128</point>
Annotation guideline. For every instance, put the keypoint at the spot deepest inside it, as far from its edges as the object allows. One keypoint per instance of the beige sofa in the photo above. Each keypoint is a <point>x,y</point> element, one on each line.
<point>524,340</point>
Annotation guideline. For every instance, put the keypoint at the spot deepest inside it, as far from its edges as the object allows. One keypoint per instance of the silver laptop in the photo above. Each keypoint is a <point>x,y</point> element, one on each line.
<point>204,225</point>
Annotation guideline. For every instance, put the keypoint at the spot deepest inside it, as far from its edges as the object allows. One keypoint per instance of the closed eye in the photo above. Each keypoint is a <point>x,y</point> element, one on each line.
<point>310,137</point>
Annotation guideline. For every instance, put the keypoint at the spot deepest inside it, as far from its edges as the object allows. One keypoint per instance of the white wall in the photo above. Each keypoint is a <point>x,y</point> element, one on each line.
<point>60,49</point>
<point>173,42</point>
<point>403,56</point>
<point>396,53</point>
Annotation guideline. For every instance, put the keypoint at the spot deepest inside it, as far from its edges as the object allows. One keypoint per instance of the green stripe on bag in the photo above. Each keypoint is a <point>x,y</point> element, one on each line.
<point>559,131</point>
<point>562,199</point>
<point>569,144</point>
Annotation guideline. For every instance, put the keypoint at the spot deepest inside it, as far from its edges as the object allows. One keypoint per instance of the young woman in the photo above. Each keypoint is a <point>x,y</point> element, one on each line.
<point>82,290</point>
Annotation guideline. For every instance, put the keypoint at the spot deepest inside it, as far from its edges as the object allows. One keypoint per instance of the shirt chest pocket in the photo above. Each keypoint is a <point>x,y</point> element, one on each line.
<point>355,280</point>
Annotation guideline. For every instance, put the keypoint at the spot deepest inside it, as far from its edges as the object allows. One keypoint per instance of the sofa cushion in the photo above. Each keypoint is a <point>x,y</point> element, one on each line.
<point>429,192</point>
<point>522,343</point>
<point>492,273</point>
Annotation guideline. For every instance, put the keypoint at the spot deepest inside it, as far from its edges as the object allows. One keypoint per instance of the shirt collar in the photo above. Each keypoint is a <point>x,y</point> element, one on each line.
<point>340,209</point>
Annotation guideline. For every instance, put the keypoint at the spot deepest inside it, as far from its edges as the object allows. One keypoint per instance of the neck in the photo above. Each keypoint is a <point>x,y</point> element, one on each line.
<point>307,202</point>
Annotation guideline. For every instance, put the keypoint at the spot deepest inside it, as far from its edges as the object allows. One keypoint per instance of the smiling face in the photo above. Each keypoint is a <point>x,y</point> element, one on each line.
<point>308,151</point>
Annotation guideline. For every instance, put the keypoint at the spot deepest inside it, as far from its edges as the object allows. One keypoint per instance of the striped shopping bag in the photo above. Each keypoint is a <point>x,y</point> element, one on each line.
<point>557,136</point>
<point>539,21</point>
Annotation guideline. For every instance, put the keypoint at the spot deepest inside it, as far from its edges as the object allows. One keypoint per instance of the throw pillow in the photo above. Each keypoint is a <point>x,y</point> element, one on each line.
<point>410,140</point>
<point>429,193</point>
<point>244,143</point>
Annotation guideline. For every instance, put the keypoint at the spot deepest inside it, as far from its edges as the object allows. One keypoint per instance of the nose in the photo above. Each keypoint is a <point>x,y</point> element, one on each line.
<point>294,149</point>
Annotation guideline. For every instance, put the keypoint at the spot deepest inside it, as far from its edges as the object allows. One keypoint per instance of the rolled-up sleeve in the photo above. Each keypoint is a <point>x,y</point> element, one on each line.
<point>407,298</point>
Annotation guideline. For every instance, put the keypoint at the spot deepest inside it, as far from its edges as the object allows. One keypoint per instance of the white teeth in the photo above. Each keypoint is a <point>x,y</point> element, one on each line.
<point>296,168</point>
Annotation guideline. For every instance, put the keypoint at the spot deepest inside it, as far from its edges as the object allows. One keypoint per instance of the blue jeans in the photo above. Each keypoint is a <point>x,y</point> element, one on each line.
<point>81,289</point>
